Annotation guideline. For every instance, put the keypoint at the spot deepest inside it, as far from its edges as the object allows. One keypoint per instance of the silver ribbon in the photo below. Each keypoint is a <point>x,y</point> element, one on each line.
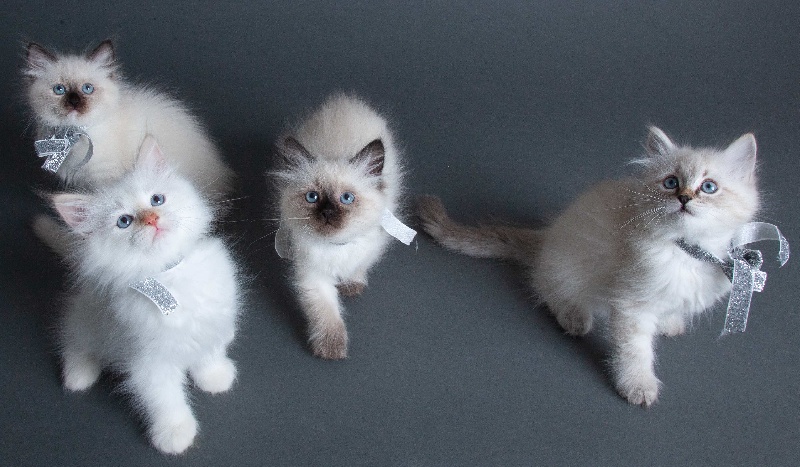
<point>58,146</point>
<point>151,288</point>
<point>743,269</point>
<point>391,224</point>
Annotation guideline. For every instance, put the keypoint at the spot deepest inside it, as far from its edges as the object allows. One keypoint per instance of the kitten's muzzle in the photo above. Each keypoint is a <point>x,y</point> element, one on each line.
<point>149,218</point>
<point>74,99</point>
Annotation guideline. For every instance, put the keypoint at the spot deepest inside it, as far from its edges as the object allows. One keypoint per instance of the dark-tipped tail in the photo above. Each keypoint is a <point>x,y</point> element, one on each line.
<point>483,241</point>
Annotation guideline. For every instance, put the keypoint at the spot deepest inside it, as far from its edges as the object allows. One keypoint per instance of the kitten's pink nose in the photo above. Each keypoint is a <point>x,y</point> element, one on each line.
<point>150,218</point>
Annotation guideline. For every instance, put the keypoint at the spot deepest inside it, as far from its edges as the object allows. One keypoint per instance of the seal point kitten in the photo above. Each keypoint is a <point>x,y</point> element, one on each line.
<point>88,91</point>
<point>338,171</point>
<point>613,252</point>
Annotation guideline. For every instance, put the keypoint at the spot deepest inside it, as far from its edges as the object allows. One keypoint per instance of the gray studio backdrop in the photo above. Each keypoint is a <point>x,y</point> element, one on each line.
<point>506,110</point>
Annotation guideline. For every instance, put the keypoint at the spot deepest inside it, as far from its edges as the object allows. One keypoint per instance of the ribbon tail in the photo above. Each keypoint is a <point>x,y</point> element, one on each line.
<point>394,227</point>
<point>741,295</point>
<point>157,293</point>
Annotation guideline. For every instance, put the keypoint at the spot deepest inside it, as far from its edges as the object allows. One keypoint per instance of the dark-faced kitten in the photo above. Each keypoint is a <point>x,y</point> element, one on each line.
<point>338,179</point>
<point>88,91</point>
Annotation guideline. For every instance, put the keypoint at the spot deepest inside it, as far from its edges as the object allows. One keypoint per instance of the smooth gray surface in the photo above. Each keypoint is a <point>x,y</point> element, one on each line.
<point>504,109</point>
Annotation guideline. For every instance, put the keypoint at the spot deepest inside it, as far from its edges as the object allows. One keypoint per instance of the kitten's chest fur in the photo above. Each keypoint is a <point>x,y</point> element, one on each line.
<point>205,287</point>
<point>671,281</point>
<point>340,259</point>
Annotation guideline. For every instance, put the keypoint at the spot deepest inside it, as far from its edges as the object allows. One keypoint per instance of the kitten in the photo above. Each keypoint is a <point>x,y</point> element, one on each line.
<point>338,175</point>
<point>613,251</point>
<point>88,92</point>
<point>151,223</point>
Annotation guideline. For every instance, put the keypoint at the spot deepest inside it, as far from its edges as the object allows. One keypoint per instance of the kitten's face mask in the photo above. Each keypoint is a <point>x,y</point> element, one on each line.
<point>331,199</point>
<point>71,90</point>
<point>696,192</point>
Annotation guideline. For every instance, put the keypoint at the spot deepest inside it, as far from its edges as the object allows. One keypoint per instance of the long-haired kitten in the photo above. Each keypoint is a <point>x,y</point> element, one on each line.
<point>88,91</point>
<point>613,251</point>
<point>338,174</point>
<point>150,225</point>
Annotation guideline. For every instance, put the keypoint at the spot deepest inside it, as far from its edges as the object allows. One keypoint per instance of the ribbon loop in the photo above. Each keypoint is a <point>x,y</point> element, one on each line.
<point>743,269</point>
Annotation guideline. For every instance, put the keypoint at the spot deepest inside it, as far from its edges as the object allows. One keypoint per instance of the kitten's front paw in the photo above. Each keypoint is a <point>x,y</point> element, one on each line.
<point>80,372</point>
<point>330,343</point>
<point>215,377</point>
<point>642,391</point>
<point>350,289</point>
<point>175,436</point>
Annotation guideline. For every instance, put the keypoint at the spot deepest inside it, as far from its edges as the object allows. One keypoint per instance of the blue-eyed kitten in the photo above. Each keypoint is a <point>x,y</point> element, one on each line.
<point>613,252</point>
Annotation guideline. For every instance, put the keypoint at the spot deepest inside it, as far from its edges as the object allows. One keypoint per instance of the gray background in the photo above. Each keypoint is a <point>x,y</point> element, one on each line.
<point>505,110</point>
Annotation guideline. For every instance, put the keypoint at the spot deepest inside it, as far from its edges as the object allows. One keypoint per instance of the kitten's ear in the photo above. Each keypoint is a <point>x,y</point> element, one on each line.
<point>292,152</point>
<point>150,155</point>
<point>658,143</point>
<point>38,58</point>
<point>741,154</point>
<point>103,54</point>
<point>373,156</point>
<point>73,208</point>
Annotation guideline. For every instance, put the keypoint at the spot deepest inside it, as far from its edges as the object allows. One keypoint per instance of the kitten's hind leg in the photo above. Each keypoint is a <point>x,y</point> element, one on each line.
<point>158,388</point>
<point>80,370</point>
<point>633,359</point>
<point>575,320</point>
<point>214,373</point>
<point>327,332</point>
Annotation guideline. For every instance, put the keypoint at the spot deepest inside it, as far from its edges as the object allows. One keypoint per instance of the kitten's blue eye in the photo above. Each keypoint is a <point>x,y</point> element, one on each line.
<point>87,88</point>
<point>157,200</point>
<point>124,221</point>
<point>671,182</point>
<point>709,187</point>
<point>59,89</point>
<point>312,196</point>
<point>347,198</point>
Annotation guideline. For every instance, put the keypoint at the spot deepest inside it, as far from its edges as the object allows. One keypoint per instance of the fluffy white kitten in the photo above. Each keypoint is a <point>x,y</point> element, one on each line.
<point>613,251</point>
<point>87,91</point>
<point>142,226</point>
<point>339,171</point>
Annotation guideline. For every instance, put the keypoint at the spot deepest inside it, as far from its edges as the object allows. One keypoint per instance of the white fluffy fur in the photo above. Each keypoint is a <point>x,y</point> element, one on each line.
<point>613,252</point>
<point>109,325</point>
<point>117,117</point>
<point>332,136</point>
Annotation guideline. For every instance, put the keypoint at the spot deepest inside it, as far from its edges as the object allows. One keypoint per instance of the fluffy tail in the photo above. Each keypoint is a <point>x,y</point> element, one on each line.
<point>484,241</point>
<point>54,234</point>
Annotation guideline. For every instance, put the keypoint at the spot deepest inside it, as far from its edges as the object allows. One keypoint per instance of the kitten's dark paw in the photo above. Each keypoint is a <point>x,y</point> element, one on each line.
<point>351,289</point>
<point>330,343</point>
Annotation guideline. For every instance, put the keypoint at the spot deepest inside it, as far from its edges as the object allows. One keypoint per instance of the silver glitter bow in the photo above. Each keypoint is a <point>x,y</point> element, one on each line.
<point>58,146</point>
<point>743,269</point>
<point>151,288</point>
